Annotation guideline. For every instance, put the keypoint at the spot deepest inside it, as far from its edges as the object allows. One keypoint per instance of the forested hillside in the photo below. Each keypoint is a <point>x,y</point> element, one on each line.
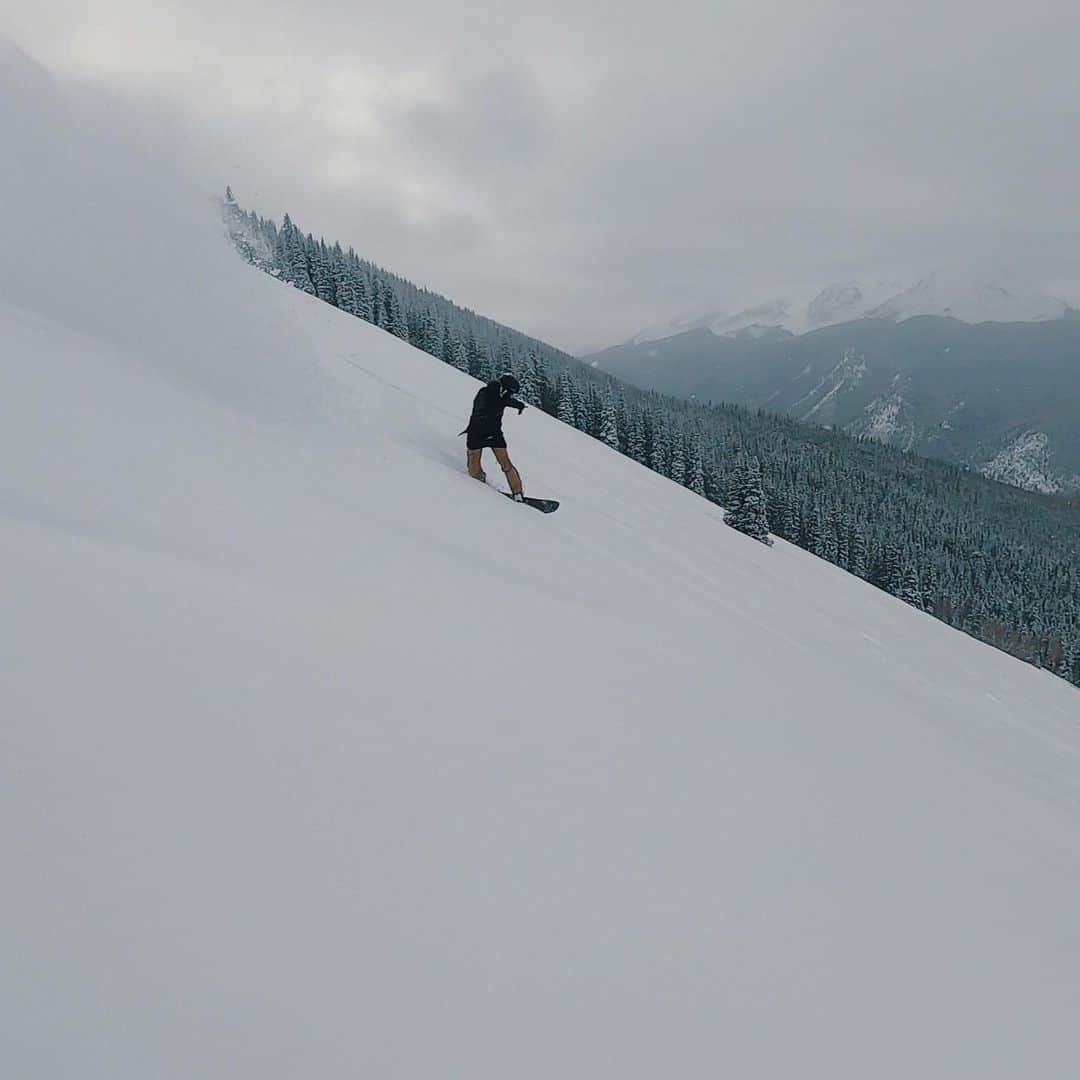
<point>996,562</point>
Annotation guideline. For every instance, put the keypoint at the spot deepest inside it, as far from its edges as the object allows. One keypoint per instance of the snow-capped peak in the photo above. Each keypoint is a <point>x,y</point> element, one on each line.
<point>940,293</point>
<point>847,300</point>
<point>971,301</point>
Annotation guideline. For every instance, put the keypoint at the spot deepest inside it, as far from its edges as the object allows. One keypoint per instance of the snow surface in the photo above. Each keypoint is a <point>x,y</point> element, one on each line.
<point>321,759</point>
<point>942,292</point>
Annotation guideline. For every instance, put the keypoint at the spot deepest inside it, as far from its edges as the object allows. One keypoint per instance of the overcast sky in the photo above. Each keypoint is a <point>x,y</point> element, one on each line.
<point>582,168</point>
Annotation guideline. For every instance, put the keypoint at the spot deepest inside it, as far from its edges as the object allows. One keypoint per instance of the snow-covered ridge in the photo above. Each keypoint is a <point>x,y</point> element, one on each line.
<point>971,301</point>
<point>941,293</point>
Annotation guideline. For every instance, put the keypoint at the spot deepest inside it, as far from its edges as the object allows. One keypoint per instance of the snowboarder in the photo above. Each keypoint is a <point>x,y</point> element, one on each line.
<point>485,429</point>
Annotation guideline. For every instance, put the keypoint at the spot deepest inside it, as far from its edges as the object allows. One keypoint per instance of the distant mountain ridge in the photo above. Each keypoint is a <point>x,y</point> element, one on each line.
<point>1000,397</point>
<point>948,295</point>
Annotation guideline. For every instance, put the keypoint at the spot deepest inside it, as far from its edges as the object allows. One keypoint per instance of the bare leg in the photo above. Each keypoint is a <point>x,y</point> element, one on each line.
<point>512,477</point>
<point>473,461</point>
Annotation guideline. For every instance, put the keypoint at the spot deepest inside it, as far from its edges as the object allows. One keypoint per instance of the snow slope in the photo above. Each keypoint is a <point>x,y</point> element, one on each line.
<point>320,759</point>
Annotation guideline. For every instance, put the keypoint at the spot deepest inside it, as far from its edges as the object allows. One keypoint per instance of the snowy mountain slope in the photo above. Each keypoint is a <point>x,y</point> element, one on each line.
<point>322,759</point>
<point>1026,462</point>
<point>942,293</point>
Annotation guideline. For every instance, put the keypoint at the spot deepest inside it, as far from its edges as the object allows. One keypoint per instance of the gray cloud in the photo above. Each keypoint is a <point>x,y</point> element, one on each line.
<point>582,169</point>
<point>495,121</point>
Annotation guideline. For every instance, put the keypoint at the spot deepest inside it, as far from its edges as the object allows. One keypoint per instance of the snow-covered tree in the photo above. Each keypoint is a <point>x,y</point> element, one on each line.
<point>565,406</point>
<point>695,477</point>
<point>458,357</point>
<point>747,514</point>
<point>609,432</point>
<point>909,590</point>
<point>636,438</point>
<point>504,357</point>
<point>660,448</point>
<point>345,289</point>
<point>857,552</point>
<point>394,315</point>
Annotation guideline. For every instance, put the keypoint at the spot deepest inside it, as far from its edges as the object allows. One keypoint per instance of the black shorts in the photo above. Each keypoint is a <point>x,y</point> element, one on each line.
<point>494,439</point>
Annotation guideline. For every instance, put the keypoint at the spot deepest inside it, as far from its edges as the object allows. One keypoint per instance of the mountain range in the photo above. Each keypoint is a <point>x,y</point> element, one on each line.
<point>975,373</point>
<point>942,292</point>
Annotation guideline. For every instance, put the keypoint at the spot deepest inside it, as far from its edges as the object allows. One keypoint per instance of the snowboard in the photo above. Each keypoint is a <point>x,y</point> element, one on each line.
<point>545,506</point>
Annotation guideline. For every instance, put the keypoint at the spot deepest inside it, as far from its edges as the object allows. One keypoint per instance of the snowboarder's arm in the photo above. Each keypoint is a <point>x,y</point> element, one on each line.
<point>513,403</point>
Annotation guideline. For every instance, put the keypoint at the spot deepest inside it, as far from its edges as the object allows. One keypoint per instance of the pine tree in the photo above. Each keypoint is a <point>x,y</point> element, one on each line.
<point>623,419</point>
<point>695,479</point>
<point>891,571</point>
<point>301,266</point>
<point>976,616</point>
<point>636,438</point>
<point>365,297</point>
<point>581,408</point>
<point>429,333</point>
<point>909,590</point>
<point>282,250</point>
<point>1072,660</point>
<point>488,365</point>
<point>677,471</point>
<point>735,478</point>
<point>830,544</point>
<point>236,223</point>
<point>545,391</point>
<point>504,358</point>
<point>533,382</point>
<point>786,523</point>
<point>458,357</point>
<point>378,303</point>
<point>345,289</point>
<point>609,432</point>
<point>565,404</point>
<point>472,354</point>
<point>395,316</point>
<point>857,552</point>
<point>814,540</point>
<point>660,450</point>
<point>446,345</point>
<point>322,278</point>
<point>842,524</point>
<point>748,512</point>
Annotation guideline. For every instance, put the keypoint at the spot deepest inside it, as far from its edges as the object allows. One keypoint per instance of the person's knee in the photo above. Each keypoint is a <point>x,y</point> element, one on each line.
<point>506,464</point>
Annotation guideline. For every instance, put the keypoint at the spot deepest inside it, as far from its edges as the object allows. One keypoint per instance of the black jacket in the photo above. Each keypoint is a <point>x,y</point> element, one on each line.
<point>487,410</point>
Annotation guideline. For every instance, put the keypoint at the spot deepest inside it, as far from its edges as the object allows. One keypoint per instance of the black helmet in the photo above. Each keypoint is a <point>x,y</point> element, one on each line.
<point>509,383</point>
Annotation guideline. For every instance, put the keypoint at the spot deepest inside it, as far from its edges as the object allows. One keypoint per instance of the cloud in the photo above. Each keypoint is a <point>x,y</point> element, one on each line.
<point>493,121</point>
<point>581,169</point>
